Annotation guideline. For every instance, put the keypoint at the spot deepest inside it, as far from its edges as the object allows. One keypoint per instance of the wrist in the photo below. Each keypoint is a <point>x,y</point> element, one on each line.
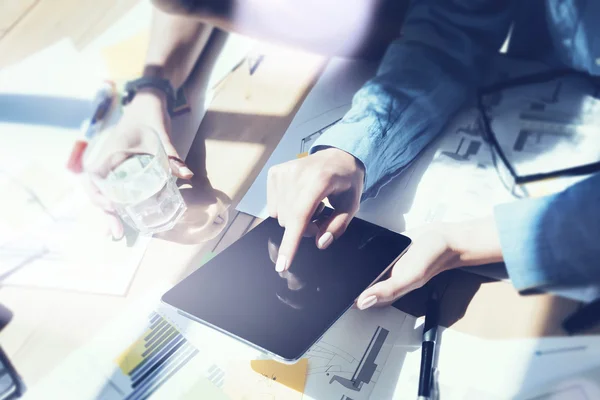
<point>149,99</point>
<point>147,108</point>
<point>474,242</point>
<point>348,160</point>
<point>161,72</point>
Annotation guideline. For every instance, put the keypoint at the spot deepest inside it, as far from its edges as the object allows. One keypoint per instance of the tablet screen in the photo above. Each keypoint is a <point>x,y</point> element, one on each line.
<point>240,292</point>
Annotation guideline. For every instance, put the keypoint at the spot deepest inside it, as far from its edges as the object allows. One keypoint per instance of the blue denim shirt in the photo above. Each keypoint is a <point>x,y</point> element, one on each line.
<point>427,75</point>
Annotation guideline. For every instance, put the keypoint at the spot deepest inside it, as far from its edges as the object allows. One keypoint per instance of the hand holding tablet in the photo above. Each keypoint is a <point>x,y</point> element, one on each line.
<point>240,293</point>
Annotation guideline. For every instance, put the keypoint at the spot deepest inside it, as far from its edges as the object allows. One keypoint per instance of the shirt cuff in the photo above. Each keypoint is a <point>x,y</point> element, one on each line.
<point>353,139</point>
<point>527,252</point>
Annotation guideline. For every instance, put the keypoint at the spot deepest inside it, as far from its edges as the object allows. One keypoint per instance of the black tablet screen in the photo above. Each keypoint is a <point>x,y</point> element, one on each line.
<point>240,292</point>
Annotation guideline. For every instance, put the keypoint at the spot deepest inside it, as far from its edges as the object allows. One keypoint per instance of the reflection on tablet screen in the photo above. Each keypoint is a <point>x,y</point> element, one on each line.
<point>240,292</point>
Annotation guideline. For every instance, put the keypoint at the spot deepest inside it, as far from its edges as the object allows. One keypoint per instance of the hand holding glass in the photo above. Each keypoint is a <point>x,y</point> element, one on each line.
<point>131,168</point>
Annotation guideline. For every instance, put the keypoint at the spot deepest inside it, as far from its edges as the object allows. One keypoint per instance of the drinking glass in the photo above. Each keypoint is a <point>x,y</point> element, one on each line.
<point>131,168</point>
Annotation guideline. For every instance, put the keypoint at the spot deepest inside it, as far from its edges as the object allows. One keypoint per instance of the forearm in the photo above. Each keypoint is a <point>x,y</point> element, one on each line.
<point>175,45</point>
<point>553,242</point>
<point>364,28</point>
<point>423,80</point>
<point>397,113</point>
<point>546,243</point>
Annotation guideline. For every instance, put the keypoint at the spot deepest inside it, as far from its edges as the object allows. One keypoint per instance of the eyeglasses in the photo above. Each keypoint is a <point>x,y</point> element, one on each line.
<point>548,126</point>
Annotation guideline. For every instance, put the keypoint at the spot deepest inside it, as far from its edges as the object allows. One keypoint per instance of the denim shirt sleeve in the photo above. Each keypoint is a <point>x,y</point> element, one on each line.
<point>553,242</point>
<point>423,79</point>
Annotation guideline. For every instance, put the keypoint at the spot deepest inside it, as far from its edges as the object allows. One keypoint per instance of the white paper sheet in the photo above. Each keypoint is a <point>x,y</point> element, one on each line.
<point>111,366</point>
<point>470,368</point>
<point>141,353</point>
<point>585,386</point>
<point>549,126</point>
<point>205,362</point>
<point>50,234</point>
<point>348,360</point>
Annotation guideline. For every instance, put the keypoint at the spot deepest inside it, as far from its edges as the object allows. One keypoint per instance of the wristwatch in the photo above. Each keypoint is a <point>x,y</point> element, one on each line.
<point>161,84</point>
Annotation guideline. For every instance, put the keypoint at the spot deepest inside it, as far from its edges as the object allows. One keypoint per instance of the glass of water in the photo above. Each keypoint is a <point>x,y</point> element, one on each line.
<point>131,168</point>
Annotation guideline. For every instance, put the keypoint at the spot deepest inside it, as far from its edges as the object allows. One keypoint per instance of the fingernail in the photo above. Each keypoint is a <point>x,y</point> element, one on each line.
<point>281,264</point>
<point>183,170</point>
<point>325,240</point>
<point>116,229</point>
<point>368,302</point>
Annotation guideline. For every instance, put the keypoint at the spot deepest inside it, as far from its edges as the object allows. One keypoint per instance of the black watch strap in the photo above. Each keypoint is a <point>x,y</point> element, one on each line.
<point>132,87</point>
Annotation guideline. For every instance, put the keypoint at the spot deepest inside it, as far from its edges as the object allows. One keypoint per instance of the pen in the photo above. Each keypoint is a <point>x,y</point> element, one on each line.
<point>232,70</point>
<point>428,347</point>
<point>103,102</point>
<point>254,63</point>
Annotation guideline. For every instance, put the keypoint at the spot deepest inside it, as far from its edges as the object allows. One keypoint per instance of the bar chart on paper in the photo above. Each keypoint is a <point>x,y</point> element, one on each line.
<point>161,363</point>
<point>155,357</point>
<point>142,354</point>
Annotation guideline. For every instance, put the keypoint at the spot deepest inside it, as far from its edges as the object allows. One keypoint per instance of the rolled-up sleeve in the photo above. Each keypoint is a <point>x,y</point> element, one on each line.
<point>553,242</point>
<point>422,81</point>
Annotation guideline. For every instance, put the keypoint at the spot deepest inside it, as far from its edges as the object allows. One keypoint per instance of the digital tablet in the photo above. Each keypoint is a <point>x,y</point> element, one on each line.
<point>283,314</point>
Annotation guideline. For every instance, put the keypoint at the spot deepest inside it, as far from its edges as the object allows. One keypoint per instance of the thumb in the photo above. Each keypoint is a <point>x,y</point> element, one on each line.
<point>333,227</point>
<point>179,167</point>
<point>115,225</point>
<point>401,281</point>
<point>383,293</point>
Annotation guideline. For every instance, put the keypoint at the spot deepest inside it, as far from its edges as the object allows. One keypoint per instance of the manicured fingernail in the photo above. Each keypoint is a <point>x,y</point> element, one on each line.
<point>368,302</point>
<point>325,240</point>
<point>116,229</point>
<point>281,264</point>
<point>183,170</point>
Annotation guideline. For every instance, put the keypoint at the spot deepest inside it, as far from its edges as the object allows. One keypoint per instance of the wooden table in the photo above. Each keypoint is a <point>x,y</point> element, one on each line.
<point>242,127</point>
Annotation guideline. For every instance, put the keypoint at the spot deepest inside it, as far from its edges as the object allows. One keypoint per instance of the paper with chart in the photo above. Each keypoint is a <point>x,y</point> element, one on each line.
<point>345,363</point>
<point>140,354</point>
<point>455,178</point>
<point>549,126</point>
<point>50,234</point>
<point>349,360</point>
<point>152,351</point>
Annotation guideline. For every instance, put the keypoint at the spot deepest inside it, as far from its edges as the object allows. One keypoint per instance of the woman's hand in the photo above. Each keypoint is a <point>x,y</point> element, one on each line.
<point>436,248</point>
<point>296,189</point>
